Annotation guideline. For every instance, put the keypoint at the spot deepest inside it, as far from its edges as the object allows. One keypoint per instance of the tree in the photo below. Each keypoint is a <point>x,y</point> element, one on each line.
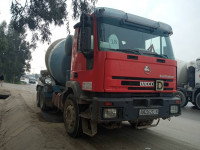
<point>38,15</point>
<point>15,54</point>
<point>3,45</point>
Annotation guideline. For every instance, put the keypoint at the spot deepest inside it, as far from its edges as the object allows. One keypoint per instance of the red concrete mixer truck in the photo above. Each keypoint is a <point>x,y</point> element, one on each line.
<point>116,67</point>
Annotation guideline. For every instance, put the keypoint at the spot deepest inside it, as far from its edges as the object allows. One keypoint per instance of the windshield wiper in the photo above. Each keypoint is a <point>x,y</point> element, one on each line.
<point>132,51</point>
<point>155,54</point>
<point>139,52</point>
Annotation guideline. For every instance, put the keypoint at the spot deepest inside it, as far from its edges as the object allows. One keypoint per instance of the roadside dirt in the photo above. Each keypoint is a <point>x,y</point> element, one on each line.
<point>24,127</point>
<point>18,126</point>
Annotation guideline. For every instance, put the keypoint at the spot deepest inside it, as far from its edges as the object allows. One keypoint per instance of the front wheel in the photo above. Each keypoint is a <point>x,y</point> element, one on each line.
<point>71,117</point>
<point>183,98</point>
<point>197,101</point>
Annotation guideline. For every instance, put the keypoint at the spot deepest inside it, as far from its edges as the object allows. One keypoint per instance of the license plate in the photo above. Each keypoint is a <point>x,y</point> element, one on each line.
<point>148,112</point>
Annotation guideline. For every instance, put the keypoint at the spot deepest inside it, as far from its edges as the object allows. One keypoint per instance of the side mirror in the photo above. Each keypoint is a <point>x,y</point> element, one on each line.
<point>85,39</point>
<point>85,43</point>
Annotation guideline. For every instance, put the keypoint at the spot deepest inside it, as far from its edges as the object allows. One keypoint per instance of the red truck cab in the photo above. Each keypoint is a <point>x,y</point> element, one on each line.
<point>122,69</point>
<point>125,65</point>
<point>124,58</point>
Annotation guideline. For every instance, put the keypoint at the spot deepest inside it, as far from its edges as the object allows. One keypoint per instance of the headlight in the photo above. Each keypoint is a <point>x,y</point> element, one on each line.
<point>109,113</point>
<point>174,109</point>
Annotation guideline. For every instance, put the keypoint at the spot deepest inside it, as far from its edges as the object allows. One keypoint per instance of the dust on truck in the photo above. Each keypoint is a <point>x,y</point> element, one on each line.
<point>117,67</point>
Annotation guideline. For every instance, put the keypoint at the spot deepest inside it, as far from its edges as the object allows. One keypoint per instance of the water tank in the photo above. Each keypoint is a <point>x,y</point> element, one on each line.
<point>58,59</point>
<point>182,73</point>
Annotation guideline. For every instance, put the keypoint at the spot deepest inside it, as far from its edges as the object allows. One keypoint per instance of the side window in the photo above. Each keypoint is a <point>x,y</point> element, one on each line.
<point>165,50</point>
<point>89,62</point>
<point>92,42</point>
<point>164,45</point>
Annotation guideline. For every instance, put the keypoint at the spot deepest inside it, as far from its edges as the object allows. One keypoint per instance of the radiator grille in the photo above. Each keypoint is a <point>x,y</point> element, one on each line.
<point>133,83</point>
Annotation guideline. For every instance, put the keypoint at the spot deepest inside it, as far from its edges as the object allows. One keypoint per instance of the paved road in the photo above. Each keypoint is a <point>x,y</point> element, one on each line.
<point>24,126</point>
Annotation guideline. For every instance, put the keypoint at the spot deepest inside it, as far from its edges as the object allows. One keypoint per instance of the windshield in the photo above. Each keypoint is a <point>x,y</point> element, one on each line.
<point>117,38</point>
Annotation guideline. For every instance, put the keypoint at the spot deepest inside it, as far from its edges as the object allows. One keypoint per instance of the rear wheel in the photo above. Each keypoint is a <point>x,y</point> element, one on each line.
<point>39,89</point>
<point>71,117</point>
<point>182,97</point>
<point>197,101</point>
<point>43,106</point>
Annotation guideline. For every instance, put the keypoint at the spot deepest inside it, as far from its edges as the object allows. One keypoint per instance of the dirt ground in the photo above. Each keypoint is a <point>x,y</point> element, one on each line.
<point>23,126</point>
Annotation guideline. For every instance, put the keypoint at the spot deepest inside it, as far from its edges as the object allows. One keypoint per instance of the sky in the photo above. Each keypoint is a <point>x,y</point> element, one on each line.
<point>182,15</point>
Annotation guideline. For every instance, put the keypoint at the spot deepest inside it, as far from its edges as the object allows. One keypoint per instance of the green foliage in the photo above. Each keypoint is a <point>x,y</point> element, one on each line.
<point>15,54</point>
<point>3,44</point>
<point>3,39</point>
<point>37,15</point>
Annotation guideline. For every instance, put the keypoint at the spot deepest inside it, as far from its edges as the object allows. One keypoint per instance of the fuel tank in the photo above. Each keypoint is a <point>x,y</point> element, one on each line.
<point>58,59</point>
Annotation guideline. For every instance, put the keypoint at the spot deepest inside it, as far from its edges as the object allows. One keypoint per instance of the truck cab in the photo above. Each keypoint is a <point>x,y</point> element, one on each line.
<point>120,51</point>
<point>122,69</point>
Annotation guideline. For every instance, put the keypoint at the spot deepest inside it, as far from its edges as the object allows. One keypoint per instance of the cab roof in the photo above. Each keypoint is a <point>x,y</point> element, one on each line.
<point>134,19</point>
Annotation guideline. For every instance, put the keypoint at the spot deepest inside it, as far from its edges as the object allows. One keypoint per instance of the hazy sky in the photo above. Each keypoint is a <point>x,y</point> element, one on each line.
<point>182,15</point>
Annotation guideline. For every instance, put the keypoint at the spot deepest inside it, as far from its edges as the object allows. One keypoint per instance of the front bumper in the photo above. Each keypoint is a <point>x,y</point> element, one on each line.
<point>128,108</point>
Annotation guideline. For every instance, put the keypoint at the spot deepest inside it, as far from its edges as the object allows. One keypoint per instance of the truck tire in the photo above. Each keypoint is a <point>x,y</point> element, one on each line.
<point>183,98</point>
<point>197,101</point>
<point>39,89</point>
<point>43,106</point>
<point>71,117</point>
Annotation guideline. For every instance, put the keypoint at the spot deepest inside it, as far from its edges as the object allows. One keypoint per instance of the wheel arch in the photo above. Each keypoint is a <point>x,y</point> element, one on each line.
<point>72,87</point>
<point>182,90</point>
